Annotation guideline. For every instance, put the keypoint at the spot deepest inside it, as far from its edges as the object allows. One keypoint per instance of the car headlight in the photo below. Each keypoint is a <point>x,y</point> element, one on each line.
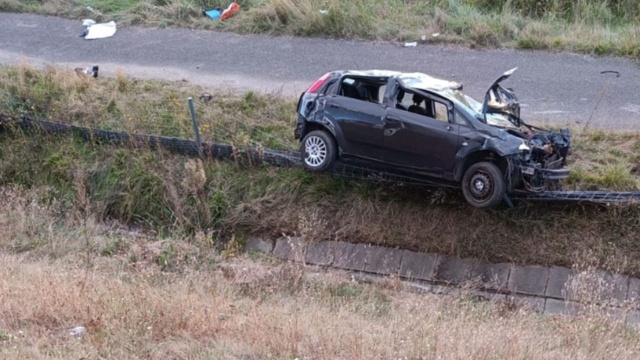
<point>525,151</point>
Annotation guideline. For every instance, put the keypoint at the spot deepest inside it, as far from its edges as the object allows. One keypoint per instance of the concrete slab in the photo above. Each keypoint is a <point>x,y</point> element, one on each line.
<point>599,286</point>
<point>533,303</point>
<point>453,270</point>
<point>259,244</point>
<point>528,280</point>
<point>350,256</point>
<point>289,248</point>
<point>557,286</point>
<point>561,307</point>
<point>383,260</point>
<point>321,253</point>
<point>420,266</point>
<point>495,276</point>
<point>633,296</point>
<point>495,298</point>
<point>633,319</point>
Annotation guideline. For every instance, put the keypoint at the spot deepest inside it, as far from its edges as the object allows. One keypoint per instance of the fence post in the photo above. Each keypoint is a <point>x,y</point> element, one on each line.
<point>195,126</point>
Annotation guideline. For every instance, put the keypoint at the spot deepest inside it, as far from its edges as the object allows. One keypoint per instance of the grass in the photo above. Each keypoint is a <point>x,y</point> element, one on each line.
<point>589,26</point>
<point>170,194</point>
<point>205,303</point>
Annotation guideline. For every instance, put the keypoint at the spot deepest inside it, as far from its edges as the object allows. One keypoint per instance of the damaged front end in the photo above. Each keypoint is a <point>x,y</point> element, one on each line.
<point>540,162</point>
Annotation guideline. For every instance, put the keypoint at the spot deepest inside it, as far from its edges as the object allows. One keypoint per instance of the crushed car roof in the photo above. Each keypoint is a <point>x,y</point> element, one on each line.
<point>414,80</point>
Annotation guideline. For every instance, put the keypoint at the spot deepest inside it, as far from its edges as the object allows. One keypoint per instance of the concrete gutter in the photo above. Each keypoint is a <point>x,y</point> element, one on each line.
<point>548,290</point>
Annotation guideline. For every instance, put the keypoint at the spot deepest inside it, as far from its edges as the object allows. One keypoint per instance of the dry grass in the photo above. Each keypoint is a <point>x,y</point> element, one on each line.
<point>210,305</point>
<point>588,26</point>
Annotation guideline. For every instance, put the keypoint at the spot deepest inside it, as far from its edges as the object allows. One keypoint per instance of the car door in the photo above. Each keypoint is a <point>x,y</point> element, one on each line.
<point>425,142</point>
<point>361,124</point>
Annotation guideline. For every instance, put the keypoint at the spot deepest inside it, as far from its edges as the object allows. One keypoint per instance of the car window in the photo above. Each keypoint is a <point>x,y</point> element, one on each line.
<point>459,119</point>
<point>371,90</point>
<point>441,111</point>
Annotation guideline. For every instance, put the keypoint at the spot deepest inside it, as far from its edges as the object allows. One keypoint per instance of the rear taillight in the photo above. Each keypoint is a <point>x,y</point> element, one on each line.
<point>318,84</point>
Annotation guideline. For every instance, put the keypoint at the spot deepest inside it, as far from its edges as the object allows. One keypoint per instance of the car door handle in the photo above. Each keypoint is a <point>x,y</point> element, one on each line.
<point>394,123</point>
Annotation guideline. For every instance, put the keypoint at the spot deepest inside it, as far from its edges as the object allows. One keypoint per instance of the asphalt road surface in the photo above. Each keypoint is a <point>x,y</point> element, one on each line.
<point>553,87</point>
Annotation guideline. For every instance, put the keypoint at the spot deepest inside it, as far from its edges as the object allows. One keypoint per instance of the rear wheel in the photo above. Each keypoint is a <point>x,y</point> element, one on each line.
<point>318,150</point>
<point>483,185</point>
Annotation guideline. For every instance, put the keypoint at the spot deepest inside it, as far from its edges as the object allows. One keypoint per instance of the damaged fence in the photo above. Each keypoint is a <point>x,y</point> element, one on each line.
<point>257,156</point>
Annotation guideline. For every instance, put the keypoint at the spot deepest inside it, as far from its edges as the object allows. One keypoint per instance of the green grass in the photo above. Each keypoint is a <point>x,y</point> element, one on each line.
<point>173,194</point>
<point>588,26</point>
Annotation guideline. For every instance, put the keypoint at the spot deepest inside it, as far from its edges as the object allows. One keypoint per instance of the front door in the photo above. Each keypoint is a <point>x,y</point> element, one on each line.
<point>428,142</point>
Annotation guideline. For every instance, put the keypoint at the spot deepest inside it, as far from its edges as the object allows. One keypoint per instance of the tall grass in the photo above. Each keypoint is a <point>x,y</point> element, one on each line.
<point>141,296</point>
<point>590,26</point>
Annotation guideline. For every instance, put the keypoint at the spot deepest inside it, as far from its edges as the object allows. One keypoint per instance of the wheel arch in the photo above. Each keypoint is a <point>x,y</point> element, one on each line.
<point>310,126</point>
<point>480,156</point>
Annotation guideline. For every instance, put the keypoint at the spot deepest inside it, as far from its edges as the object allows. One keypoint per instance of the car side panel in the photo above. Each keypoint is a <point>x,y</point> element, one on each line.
<point>361,124</point>
<point>421,142</point>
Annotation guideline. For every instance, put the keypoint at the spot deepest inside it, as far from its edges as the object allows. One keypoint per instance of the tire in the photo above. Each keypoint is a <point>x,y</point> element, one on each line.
<point>318,150</point>
<point>483,185</point>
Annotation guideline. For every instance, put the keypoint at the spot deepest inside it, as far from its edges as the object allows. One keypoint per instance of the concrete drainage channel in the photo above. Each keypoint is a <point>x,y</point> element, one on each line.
<point>549,290</point>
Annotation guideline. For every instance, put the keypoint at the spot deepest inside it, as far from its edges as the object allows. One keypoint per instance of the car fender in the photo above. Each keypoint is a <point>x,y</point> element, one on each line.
<point>499,149</point>
<point>319,119</point>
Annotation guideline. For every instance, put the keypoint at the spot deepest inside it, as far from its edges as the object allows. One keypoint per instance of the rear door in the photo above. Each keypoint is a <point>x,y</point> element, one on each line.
<point>428,142</point>
<point>361,123</point>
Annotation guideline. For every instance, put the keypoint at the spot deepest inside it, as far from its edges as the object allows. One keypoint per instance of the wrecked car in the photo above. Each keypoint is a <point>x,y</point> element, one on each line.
<point>427,126</point>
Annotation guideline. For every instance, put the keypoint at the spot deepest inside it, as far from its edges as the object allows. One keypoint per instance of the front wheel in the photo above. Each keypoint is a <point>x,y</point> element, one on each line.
<point>483,185</point>
<point>319,151</point>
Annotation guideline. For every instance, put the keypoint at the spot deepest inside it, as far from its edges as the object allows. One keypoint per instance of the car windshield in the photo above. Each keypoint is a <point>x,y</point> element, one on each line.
<point>474,108</point>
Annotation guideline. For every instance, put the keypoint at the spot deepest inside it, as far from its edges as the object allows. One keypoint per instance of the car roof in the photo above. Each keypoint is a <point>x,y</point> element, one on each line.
<point>413,80</point>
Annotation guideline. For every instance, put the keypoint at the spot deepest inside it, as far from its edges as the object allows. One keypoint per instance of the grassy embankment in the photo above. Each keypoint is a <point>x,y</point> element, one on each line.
<point>145,297</point>
<point>175,195</point>
<point>587,26</point>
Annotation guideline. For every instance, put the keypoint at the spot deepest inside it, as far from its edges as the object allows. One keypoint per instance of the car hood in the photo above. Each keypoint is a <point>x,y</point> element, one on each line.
<point>500,100</point>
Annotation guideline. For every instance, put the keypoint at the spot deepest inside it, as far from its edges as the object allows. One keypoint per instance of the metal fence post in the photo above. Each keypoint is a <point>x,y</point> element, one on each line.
<point>194,120</point>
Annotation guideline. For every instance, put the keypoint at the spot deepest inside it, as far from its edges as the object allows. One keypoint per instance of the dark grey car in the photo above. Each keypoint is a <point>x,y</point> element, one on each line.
<point>427,126</point>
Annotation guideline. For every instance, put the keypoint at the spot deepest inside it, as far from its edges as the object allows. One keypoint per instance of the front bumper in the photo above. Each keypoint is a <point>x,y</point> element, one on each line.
<point>546,174</point>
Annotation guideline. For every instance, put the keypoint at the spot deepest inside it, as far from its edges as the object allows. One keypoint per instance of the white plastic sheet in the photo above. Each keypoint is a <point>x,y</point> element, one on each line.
<point>100,31</point>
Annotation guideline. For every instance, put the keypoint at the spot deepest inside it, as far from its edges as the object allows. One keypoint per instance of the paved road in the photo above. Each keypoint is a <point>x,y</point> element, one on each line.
<point>554,87</point>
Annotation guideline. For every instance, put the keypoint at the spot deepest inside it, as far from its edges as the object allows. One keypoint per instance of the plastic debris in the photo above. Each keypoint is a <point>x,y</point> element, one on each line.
<point>94,31</point>
<point>213,14</point>
<point>206,97</point>
<point>411,44</point>
<point>229,11</point>
<point>435,34</point>
<point>324,12</point>
<point>78,331</point>
<point>91,71</point>
<point>217,13</point>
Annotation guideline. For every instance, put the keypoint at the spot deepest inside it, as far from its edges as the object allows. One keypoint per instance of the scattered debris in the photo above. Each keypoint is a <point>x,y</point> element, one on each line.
<point>218,13</point>
<point>324,12</point>
<point>94,31</point>
<point>230,11</point>
<point>213,14</point>
<point>91,70</point>
<point>435,34</point>
<point>423,38</point>
<point>78,331</point>
<point>206,97</point>
<point>411,44</point>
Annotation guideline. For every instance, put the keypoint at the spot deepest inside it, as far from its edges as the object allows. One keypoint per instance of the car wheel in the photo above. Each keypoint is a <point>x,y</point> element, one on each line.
<point>483,185</point>
<point>319,151</point>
